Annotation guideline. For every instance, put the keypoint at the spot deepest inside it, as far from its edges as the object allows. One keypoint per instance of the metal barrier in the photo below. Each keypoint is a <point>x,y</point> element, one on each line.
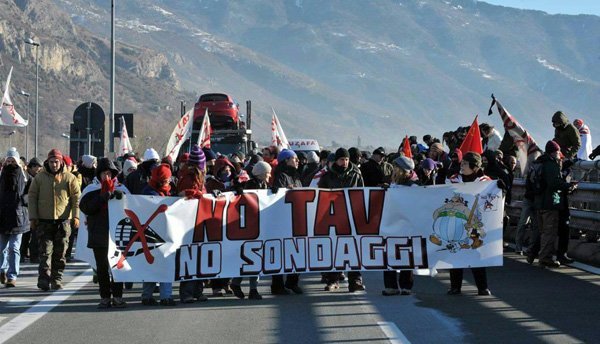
<point>584,202</point>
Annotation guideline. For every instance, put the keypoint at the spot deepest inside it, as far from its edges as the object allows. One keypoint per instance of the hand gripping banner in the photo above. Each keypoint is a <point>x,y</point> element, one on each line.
<point>165,239</point>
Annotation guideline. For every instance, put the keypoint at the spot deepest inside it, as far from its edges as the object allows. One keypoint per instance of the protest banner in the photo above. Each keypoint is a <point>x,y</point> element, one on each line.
<point>166,239</point>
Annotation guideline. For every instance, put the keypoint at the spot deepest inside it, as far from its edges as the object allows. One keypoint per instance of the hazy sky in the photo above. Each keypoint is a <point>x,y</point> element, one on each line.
<point>554,6</point>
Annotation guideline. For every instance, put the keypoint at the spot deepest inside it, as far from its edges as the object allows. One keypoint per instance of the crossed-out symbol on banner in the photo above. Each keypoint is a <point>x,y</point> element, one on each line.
<point>141,234</point>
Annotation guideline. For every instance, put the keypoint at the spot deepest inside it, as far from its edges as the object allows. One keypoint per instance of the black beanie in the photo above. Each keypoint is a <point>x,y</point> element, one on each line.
<point>341,153</point>
<point>474,159</point>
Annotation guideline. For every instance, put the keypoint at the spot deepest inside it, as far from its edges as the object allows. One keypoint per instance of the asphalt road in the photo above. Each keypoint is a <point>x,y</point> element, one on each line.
<point>529,305</point>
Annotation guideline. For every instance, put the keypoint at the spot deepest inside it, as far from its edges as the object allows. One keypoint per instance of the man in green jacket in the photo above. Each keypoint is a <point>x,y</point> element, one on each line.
<point>547,201</point>
<point>53,210</point>
<point>566,135</point>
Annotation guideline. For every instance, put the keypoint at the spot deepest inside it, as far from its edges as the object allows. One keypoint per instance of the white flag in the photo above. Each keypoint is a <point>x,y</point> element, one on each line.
<point>278,138</point>
<point>182,132</point>
<point>8,115</point>
<point>204,135</point>
<point>528,150</point>
<point>125,144</point>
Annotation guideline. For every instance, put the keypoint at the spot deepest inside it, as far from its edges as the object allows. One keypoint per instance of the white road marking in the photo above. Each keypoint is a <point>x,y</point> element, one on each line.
<point>393,332</point>
<point>38,310</point>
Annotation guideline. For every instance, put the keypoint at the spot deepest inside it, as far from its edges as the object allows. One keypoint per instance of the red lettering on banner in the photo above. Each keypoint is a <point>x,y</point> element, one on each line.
<point>209,219</point>
<point>367,225</point>
<point>299,199</point>
<point>332,212</point>
<point>243,217</point>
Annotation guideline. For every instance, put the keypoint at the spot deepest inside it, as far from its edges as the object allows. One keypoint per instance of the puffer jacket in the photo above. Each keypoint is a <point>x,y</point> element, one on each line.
<point>54,197</point>
<point>337,177</point>
<point>286,177</point>
<point>95,206</point>
<point>14,216</point>
<point>567,136</point>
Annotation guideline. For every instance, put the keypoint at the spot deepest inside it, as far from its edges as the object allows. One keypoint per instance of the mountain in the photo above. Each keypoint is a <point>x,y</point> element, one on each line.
<point>74,67</point>
<point>338,70</point>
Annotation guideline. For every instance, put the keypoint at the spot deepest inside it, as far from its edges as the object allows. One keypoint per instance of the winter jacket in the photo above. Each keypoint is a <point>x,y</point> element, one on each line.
<point>255,184</point>
<point>14,215</point>
<point>443,170</point>
<point>137,180</point>
<point>337,177</point>
<point>567,136</point>
<point>286,177</point>
<point>373,173</point>
<point>553,185</point>
<point>54,197</point>
<point>95,206</point>
<point>309,172</point>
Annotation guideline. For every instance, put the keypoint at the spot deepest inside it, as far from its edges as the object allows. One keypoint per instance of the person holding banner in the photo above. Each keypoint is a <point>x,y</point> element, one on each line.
<point>286,176</point>
<point>94,204</point>
<point>158,185</point>
<point>342,174</point>
<point>190,183</point>
<point>403,175</point>
<point>470,171</point>
<point>261,173</point>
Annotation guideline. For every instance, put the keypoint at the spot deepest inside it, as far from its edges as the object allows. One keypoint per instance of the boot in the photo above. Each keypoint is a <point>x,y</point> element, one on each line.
<point>254,295</point>
<point>237,291</point>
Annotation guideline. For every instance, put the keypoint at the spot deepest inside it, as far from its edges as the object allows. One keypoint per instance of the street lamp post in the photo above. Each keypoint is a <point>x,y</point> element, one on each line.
<point>25,94</point>
<point>10,138</point>
<point>30,41</point>
<point>68,139</point>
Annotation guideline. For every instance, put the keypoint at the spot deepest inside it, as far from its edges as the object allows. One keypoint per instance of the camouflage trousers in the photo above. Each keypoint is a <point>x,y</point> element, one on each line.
<point>53,240</point>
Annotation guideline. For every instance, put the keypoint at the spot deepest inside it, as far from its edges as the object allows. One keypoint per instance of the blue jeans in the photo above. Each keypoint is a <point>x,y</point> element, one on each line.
<point>166,290</point>
<point>10,246</point>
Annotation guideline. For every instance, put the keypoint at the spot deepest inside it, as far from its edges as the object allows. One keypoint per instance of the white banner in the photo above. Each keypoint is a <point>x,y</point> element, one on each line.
<point>165,239</point>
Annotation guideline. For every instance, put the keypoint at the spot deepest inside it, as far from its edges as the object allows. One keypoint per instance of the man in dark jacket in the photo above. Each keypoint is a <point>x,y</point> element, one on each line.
<point>566,135</point>
<point>342,174</point>
<point>548,201</point>
<point>29,243</point>
<point>94,204</point>
<point>376,171</point>
<point>286,176</point>
<point>14,217</point>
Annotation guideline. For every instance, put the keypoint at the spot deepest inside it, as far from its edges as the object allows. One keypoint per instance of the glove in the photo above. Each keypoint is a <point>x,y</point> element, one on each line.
<point>118,194</point>
<point>216,193</point>
<point>108,186</point>
<point>274,189</point>
<point>75,222</point>
<point>385,186</point>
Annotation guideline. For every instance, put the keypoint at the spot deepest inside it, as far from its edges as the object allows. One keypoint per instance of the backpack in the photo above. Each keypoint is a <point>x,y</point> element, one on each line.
<point>535,180</point>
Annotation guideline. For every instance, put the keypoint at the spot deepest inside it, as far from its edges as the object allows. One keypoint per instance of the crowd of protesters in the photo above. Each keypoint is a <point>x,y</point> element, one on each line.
<point>40,201</point>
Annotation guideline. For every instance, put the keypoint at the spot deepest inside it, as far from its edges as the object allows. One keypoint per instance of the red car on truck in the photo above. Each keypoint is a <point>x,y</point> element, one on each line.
<point>223,111</point>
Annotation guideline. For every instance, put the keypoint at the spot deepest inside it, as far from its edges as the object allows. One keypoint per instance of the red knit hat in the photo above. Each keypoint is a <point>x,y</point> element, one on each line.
<point>55,153</point>
<point>68,161</point>
<point>161,172</point>
<point>552,147</point>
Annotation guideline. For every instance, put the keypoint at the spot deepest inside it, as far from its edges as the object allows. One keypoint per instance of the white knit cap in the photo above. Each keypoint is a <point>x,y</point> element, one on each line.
<point>89,161</point>
<point>12,153</point>
<point>261,168</point>
<point>129,166</point>
<point>312,157</point>
<point>151,154</point>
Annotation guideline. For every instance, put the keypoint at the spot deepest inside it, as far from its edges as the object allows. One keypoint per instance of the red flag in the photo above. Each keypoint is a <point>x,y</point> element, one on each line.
<point>472,142</point>
<point>406,148</point>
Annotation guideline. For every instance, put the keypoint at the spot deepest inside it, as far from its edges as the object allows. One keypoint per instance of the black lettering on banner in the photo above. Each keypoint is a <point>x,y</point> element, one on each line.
<point>319,254</point>
<point>419,252</point>
<point>373,252</point>
<point>294,251</point>
<point>398,252</point>
<point>211,257</point>
<point>251,255</point>
<point>272,256</point>
<point>186,262</point>
<point>346,253</point>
